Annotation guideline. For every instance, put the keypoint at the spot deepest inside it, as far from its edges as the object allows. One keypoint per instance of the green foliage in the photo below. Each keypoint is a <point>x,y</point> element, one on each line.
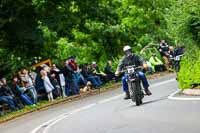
<point>183,27</point>
<point>96,30</point>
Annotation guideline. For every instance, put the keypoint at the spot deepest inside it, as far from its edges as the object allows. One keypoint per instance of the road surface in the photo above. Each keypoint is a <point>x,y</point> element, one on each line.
<point>109,113</point>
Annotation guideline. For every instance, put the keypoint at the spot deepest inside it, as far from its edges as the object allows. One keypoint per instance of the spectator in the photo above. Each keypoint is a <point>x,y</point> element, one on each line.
<point>149,67</point>
<point>156,63</point>
<point>71,84</point>
<point>95,80</point>
<point>54,70</point>
<point>60,78</point>
<point>96,71</point>
<point>81,79</point>
<point>56,85</point>
<point>164,52</point>
<point>76,72</point>
<point>47,84</point>
<point>62,84</point>
<point>19,91</point>
<point>109,72</point>
<point>39,84</point>
<point>28,83</point>
<point>6,95</point>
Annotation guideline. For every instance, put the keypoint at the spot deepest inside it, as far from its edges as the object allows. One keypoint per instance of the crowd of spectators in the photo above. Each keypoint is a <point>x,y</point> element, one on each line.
<point>28,87</point>
<point>168,60</point>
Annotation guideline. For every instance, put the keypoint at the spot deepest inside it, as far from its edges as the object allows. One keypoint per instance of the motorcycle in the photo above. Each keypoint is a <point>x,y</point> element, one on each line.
<point>135,89</point>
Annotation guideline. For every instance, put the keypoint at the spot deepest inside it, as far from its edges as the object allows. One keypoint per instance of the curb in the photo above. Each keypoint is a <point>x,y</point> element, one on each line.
<point>173,97</point>
<point>77,97</point>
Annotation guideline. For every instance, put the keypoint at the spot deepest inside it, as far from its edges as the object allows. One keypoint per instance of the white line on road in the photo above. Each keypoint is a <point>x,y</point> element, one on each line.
<point>47,125</point>
<point>173,97</point>
<point>161,83</point>
<point>71,113</point>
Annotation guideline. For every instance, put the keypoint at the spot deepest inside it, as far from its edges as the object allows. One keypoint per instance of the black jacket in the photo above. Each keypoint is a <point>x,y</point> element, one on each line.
<point>5,91</point>
<point>131,60</point>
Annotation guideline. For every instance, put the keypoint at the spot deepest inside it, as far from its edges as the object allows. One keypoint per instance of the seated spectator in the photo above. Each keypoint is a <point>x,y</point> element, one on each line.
<point>81,80</point>
<point>96,71</point>
<point>109,72</point>
<point>157,64</point>
<point>149,67</point>
<point>95,80</point>
<point>19,92</point>
<point>78,78</point>
<point>47,85</point>
<point>28,83</point>
<point>56,85</point>
<point>7,96</point>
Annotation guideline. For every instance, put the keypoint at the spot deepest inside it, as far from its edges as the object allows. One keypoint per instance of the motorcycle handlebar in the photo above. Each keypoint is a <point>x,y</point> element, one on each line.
<point>125,70</point>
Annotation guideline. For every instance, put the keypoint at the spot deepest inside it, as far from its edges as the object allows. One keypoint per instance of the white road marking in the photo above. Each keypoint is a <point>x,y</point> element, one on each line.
<point>110,99</point>
<point>173,97</point>
<point>161,83</point>
<point>47,125</point>
<point>71,113</point>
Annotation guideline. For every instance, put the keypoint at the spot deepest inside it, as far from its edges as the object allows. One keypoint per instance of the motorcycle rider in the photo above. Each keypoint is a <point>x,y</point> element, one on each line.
<point>132,59</point>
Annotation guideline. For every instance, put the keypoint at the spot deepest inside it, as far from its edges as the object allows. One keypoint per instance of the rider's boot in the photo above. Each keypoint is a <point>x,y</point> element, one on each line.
<point>127,95</point>
<point>147,92</point>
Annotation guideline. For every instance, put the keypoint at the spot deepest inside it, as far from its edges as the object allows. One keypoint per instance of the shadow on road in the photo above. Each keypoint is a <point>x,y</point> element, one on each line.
<point>155,100</point>
<point>150,101</point>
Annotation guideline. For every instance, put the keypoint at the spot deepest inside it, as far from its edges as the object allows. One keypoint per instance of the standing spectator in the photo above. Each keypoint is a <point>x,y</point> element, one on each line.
<point>19,92</point>
<point>39,84</point>
<point>47,84</point>
<point>164,52</point>
<point>28,83</point>
<point>71,84</point>
<point>56,71</point>
<point>6,95</point>
<point>62,84</point>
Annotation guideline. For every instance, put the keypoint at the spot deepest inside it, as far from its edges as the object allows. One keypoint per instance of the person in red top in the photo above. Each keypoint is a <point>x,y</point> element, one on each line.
<point>72,63</point>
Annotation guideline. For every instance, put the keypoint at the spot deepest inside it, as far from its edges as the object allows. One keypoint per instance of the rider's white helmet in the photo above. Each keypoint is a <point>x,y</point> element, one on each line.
<point>127,47</point>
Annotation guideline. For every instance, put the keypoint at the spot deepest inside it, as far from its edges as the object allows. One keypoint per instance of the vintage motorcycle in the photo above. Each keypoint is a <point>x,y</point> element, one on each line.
<point>135,89</point>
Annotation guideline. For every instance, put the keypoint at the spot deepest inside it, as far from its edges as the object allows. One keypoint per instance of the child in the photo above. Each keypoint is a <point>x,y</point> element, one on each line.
<point>47,85</point>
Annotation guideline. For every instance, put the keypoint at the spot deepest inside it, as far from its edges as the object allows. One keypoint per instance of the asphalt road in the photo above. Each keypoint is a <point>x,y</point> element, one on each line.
<point>109,113</point>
